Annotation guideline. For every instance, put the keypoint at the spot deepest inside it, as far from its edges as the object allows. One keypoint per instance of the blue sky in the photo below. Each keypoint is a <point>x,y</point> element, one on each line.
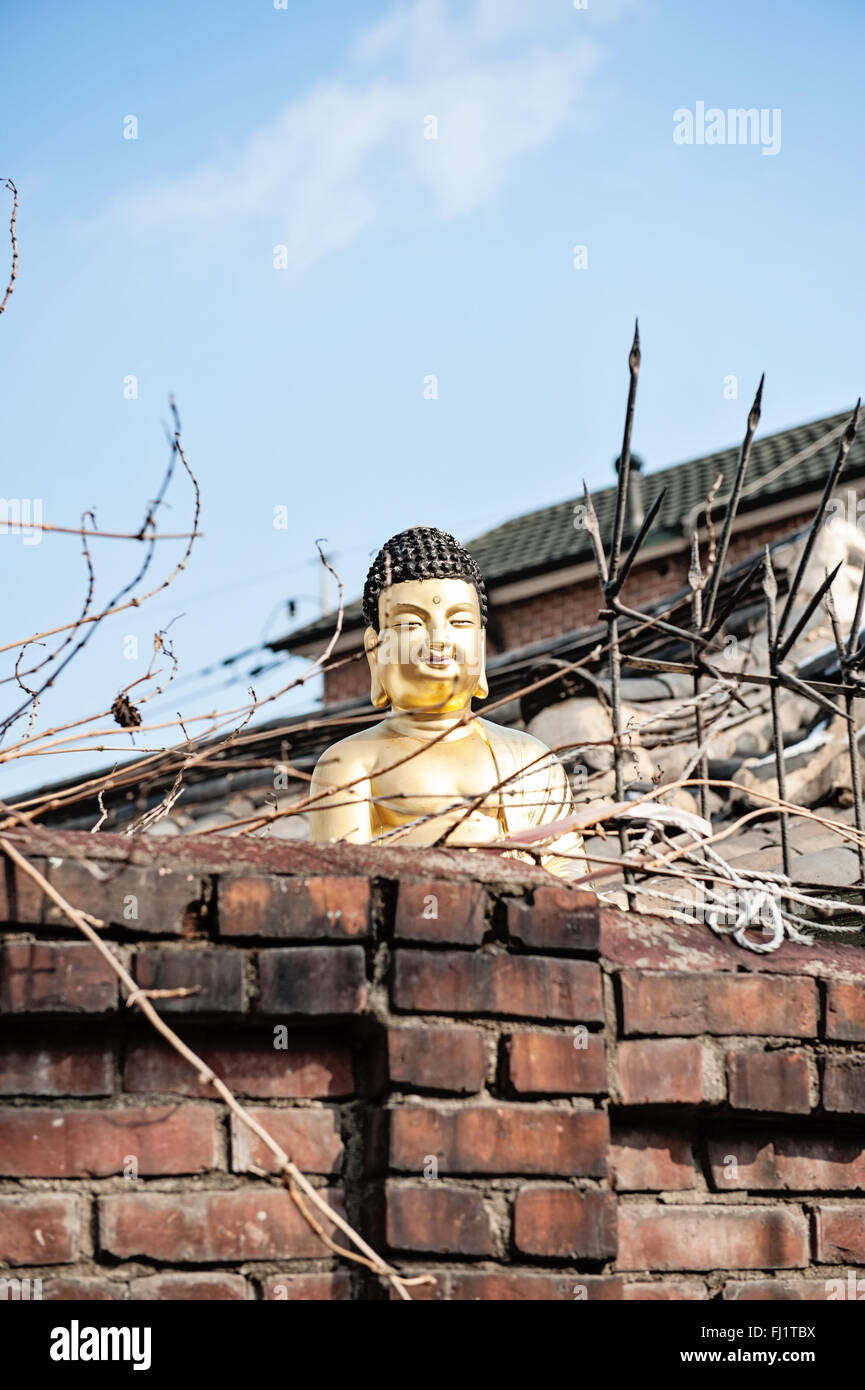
<point>303,127</point>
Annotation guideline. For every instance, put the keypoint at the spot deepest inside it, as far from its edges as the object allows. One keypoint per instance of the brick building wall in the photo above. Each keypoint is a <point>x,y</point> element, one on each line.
<point>576,605</point>
<point>346,679</point>
<point>500,1082</point>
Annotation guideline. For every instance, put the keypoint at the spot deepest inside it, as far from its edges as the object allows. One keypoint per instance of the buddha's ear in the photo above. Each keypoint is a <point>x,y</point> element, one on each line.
<point>482,689</point>
<point>377,693</point>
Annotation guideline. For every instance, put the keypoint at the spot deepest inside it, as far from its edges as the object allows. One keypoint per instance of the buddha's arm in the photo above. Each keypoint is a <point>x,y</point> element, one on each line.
<point>564,856</point>
<point>344,811</point>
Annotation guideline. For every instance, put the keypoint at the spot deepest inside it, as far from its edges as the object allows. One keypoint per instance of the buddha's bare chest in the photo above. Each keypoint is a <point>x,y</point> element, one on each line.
<point>440,775</point>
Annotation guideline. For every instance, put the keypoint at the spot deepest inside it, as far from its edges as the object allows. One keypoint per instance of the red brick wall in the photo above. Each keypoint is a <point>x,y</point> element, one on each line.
<point>500,1083</point>
<point>346,680</point>
<point>577,605</point>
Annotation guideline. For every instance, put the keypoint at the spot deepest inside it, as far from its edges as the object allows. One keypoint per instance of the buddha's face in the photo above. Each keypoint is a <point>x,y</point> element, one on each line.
<point>429,651</point>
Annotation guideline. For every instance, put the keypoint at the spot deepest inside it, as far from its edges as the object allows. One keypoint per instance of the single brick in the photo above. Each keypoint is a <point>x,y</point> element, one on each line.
<point>437,1059</point>
<point>712,1237</point>
<point>652,1161</point>
<point>187,1288</point>
<point>563,1223</point>
<point>311,1138</point>
<point>841,1235</point>
<point>769,1081</point>
<point>844,1085</point>
<point>145,899</point>
<point>96,1143</point>
<point>75,1068</point>
<point>765,1005</point>
<point>777,1290</point>
<point>500,1139</point>
<point>557,1064</point>
<point>329,1288</point>
<point>429,1217</point>
<point>634,941</point>
<point>845,1010</point>
<point>270,1065</point>
<point>39,1229</point>
<point>313,980</point>
<point>457,982</point>
<point>313,908</point>
<point>516,1286</point>
<point>71,1289</point>
<point>665,1291</point>
<point>207,1227</point>
<point>216,975</point>
<point>69,977</point>
<point>787,1162</point>
<point>435,910</point>
<point>666,1072</point>
<point>22,901</point>
<point>559,919</point>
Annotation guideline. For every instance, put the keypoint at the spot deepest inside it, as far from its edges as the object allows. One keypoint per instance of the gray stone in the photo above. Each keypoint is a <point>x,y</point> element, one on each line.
<point>834,867</point>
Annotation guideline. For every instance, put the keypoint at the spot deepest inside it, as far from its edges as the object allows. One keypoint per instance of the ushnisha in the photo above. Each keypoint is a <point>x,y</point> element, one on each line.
<point>431,771</point>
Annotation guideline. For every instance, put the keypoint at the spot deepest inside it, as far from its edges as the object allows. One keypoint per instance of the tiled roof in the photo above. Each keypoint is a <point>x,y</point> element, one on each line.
<point>782,465</point>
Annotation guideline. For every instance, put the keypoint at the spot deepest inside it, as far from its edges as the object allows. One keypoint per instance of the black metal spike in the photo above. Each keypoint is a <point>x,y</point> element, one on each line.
<point>831,479</point>
<point>616,585</point>
<point>733,503</point>
<point>741,588</point>
<point>634,360</point>
<point>801,687</point>
<point>785,646</point>
<point>856,625</point>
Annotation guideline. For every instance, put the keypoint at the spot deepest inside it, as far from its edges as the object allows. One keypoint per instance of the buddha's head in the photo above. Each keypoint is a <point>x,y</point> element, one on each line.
<point>426,612</point>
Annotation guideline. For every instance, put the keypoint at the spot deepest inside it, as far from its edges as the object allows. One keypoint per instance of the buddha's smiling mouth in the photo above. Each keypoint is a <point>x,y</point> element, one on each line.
<point>439,663</point>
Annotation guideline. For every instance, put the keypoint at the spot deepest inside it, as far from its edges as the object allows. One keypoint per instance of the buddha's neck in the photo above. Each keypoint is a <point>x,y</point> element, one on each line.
<point>422,724</point>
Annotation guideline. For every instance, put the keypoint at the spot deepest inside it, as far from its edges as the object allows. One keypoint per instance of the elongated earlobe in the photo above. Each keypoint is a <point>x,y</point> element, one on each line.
<point>482,689</point>
<point>377,693</point>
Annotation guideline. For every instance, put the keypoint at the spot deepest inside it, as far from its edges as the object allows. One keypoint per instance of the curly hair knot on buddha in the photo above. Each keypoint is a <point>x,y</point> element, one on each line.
<point>422,552</point>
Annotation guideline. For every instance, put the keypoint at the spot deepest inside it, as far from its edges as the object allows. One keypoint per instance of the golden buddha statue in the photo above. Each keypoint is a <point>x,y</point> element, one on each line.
<point>432,772</point>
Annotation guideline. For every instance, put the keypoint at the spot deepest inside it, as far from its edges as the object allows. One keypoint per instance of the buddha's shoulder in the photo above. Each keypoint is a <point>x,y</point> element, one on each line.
<point>525,747</point>
<point>356,749</point>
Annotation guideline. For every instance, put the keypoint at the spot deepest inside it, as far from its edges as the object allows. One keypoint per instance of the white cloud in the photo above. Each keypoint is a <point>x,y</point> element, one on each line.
<point>501,77</point>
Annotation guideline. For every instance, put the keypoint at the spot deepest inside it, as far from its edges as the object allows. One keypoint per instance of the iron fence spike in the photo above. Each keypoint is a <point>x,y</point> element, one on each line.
<point>856,625</point>
<point>831,479</point>
<point>733,504</point>
<point>636,543</point>
<point>811,607</point>
<point>801,687</point>
<point>741,588</point>
<point>634,360</point>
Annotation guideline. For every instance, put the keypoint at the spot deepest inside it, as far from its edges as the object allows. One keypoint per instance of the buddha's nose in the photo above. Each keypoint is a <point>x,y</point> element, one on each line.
<point>438,636</point>
<point>438,642</point>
